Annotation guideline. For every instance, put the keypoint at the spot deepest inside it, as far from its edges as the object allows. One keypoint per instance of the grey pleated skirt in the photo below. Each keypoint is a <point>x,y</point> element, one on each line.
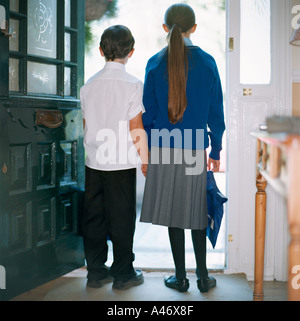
<point>175,189</point>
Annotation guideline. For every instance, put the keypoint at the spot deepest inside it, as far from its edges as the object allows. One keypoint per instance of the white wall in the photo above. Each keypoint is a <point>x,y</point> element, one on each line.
<point>296,73</point>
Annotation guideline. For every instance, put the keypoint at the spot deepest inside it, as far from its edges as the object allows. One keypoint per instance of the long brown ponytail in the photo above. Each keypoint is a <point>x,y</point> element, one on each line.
<point>177,71</point>
<point>179,18</point>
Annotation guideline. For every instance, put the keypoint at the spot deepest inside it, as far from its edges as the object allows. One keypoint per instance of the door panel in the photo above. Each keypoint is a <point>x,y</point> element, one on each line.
<point>46,184</point>
<point>43,151</point>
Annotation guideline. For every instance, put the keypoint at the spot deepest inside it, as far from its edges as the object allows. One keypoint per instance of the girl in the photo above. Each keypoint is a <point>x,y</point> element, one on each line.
<point>182,97</point>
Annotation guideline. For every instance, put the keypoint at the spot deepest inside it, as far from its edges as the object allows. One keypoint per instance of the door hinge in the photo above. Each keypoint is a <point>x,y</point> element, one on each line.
<point>231,44</point>
<point>4,25</point>
<point>6,30</point>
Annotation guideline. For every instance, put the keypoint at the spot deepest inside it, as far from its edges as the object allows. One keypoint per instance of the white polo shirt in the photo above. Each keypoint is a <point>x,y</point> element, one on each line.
<point>109,100</point>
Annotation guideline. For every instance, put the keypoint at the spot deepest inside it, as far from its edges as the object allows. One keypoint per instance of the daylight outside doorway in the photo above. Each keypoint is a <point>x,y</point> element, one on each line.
<point>145,18</point>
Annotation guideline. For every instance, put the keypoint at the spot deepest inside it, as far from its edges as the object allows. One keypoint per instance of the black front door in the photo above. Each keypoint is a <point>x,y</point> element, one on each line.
<point>41,141</point>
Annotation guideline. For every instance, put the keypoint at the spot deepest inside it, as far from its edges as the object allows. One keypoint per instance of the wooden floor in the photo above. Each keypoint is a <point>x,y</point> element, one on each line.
<point>273,291</point>
<point>72,287</point>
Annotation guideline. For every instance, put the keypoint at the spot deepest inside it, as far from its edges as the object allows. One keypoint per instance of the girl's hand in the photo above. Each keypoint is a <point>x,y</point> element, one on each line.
<point>213,165</point>
<point>144,168</point>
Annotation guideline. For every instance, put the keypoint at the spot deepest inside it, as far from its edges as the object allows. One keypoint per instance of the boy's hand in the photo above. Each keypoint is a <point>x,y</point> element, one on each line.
<point>144,169</point>
<point>213,165</point>
<point>139,137</point>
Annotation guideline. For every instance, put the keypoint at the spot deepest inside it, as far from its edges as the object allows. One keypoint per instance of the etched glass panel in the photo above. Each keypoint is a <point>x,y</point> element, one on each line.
<point>67,46</point>
<point>14,29</point>
<point>42,27</point>
<point>255,42</point>
<point>13,74</point>
<point>68,13</point>
<point>41,78</point>
<point>14,5</point>
<point>68,81</point>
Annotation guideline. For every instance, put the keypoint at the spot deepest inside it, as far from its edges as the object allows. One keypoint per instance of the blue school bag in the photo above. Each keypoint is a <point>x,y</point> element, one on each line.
<point>215,202</point>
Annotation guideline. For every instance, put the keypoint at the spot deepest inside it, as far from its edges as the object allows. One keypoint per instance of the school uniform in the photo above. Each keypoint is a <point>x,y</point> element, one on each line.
<point>109,100</point>
<point>180,206</point>
<point>172,198</point>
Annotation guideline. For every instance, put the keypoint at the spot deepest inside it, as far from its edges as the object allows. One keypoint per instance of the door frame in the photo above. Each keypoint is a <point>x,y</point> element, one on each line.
<point>240,245</point>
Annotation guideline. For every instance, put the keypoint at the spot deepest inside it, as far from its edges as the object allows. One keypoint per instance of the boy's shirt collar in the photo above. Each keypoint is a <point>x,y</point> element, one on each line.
<point>114,65</point>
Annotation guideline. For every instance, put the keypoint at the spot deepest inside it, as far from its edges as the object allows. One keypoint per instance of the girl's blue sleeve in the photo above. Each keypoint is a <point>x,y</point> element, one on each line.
<point>216,122</point>
<point>150,104</point>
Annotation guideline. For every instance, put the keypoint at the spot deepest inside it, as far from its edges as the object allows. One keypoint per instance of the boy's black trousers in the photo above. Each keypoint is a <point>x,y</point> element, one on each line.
<point>109,211</point>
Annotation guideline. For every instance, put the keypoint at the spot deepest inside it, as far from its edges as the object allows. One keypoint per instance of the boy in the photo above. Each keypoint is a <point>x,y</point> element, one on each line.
<point>111,103</point>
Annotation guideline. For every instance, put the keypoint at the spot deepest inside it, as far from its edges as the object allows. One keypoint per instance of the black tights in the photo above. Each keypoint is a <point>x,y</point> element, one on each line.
<point>177,241</point>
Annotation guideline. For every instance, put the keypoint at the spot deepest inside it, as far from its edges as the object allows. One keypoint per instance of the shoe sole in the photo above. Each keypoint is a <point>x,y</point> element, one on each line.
<point>179,290</point>
<point>118,285</point>
<point>99,284</point>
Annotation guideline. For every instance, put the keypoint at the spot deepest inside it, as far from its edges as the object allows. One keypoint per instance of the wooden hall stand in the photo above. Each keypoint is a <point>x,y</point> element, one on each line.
<point>278,164</point>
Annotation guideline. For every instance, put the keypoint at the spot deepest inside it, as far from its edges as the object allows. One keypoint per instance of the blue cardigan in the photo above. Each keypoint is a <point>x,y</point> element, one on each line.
<point>204,109</point>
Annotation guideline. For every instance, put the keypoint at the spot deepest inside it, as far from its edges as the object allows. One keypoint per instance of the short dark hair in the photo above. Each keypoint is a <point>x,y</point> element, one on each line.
<point>116,42</point>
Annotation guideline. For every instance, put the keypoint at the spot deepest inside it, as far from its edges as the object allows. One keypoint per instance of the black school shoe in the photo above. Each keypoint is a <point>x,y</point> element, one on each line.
<point>181,285</point>
<point>204,284</point>
<point>96,284</point>
<point>135,280</point>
